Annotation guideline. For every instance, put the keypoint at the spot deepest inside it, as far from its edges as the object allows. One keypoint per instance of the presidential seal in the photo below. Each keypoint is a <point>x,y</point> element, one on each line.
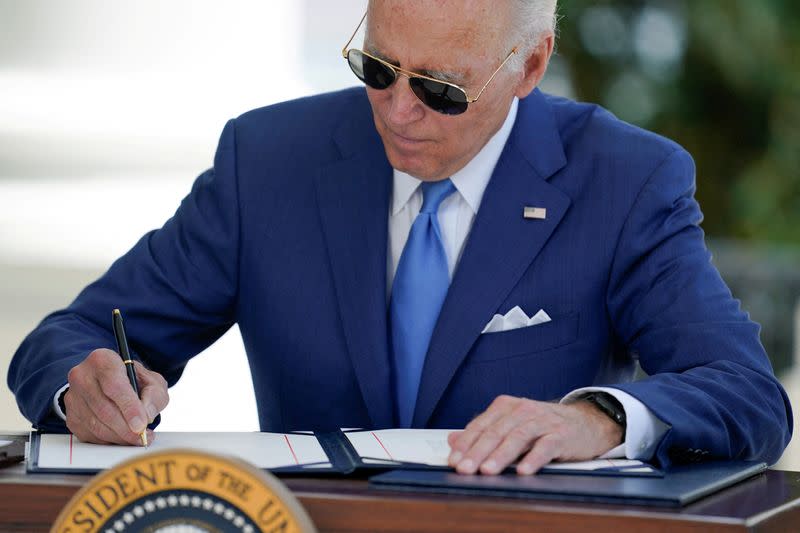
<point>183,491</point>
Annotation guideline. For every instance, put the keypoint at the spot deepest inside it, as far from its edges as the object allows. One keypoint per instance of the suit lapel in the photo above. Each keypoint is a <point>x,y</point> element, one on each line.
<point>353,198</point>
<point>501,246</point>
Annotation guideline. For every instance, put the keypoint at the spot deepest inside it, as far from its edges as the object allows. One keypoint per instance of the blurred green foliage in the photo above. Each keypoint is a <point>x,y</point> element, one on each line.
<point>721,77</point>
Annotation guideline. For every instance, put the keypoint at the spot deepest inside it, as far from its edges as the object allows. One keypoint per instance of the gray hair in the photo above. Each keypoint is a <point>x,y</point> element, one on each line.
<point>533,20</point>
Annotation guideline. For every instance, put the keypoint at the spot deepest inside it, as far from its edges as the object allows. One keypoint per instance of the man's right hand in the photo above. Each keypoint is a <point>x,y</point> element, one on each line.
<point>101,405</point>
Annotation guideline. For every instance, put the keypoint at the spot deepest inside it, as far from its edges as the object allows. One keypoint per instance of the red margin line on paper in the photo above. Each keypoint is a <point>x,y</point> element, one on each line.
<point>291,449</point>
<point>70,448</point>
<point>382,446</point>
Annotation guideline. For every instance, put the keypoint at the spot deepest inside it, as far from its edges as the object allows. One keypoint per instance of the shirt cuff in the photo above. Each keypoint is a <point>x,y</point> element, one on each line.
<point>644,429</point>
<point>56,405</point>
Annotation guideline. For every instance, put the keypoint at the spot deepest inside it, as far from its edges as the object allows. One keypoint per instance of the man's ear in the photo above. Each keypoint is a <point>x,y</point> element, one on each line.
<point>535,66</point>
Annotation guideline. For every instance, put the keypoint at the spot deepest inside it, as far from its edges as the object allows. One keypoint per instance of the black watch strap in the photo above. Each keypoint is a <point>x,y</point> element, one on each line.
<point>608,405</point>
<point>61,403</point>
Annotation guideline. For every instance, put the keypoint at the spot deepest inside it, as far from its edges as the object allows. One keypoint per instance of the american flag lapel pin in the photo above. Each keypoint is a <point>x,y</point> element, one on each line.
<point>536,213</point>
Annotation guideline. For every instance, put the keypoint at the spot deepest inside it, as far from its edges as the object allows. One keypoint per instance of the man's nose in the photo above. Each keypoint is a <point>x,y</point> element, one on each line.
<point>405,106</point>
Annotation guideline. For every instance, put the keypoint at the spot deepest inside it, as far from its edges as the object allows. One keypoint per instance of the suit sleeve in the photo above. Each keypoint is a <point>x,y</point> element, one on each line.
<point>176,287</point>
<point>709,376</point>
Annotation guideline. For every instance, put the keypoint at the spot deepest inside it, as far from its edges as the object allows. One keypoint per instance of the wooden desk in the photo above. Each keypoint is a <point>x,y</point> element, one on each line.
<point>768,502</point>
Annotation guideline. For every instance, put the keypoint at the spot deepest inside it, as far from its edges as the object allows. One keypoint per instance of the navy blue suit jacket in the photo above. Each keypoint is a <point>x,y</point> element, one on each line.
<point>292,220</point>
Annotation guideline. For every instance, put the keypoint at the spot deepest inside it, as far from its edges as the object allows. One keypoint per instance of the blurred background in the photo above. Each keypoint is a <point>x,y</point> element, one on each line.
<point>110,109</point>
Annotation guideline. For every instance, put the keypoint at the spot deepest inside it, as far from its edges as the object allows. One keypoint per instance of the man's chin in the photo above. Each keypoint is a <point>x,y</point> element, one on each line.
<point>412,164</point>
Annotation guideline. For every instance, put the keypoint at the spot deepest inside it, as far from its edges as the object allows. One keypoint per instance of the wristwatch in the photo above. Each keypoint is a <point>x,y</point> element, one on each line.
<point>61,403</point>
<point>608,405</point>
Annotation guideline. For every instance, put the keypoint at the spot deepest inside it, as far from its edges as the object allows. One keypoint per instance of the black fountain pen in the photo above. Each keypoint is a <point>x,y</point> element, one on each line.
<point>122,347</point>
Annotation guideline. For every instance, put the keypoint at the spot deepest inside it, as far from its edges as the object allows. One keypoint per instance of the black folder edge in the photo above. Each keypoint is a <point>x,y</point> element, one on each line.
<point>734,472</point>
<point>345,460</point>
<point>12,453</point>
<point>342,457</point>
<point>32,464</point>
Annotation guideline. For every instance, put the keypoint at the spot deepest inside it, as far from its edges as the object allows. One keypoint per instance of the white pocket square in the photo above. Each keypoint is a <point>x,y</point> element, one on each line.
<point>515,319</point>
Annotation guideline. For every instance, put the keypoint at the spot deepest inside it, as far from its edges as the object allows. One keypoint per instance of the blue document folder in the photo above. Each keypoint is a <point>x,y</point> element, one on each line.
<point>679,486</point>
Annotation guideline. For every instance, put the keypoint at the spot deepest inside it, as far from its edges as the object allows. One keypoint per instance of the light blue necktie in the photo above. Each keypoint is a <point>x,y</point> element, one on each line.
<point>420,285</point>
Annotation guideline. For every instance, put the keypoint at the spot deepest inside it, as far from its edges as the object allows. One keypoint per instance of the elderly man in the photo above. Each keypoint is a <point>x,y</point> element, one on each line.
<point>449,248</point>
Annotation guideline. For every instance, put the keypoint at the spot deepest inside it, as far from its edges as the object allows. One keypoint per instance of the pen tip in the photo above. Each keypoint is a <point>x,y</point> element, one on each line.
<point>144,439</point>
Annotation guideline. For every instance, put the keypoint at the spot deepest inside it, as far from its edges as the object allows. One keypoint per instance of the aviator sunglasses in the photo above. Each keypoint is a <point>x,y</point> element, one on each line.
<point>441,96</point>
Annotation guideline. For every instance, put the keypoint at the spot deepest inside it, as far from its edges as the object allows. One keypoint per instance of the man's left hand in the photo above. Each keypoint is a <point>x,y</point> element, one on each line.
<point>534,432</point>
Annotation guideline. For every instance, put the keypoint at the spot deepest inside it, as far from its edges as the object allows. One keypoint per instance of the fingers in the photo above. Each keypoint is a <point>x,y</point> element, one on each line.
<point>89,428</point>
<point>99,422</point>
<point>153,390</point>
<point>463,442</point>
<point>101,404</point>
<point>544,451</point>
<point>539,432</point>
<point>518,440</point>
<point>115,389</point>
<point>496,437</point>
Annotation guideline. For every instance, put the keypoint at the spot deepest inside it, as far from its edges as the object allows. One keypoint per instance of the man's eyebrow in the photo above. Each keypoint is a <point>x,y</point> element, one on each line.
<point>377,53</point>
<point>450,77</point>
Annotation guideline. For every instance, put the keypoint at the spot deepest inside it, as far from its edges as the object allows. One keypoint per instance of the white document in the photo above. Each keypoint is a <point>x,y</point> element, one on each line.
<point>430,447</point>
<point>264,450</point>
<point>629,465</point>
<point>386,447</point>
<point>423,446</point>
<point>515,319</point>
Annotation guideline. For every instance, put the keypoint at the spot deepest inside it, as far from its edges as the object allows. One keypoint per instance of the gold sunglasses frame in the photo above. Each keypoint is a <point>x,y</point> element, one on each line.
<point>409,74</point>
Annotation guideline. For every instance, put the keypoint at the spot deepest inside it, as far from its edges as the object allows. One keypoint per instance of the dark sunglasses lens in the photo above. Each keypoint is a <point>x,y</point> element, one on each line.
<point>372,72</point>
<point>439,96</point>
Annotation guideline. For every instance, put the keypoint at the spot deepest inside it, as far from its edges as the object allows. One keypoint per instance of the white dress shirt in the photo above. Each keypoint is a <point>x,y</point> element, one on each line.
<point>456,212</point>
<point>456,216</point>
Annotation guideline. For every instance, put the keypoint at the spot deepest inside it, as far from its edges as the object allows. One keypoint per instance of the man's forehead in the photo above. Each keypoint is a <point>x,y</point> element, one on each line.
<point>439,31</point>
<point>459,22</point>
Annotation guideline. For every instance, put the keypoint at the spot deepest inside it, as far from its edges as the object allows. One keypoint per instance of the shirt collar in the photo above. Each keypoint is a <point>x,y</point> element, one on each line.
<point>470,181</point>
